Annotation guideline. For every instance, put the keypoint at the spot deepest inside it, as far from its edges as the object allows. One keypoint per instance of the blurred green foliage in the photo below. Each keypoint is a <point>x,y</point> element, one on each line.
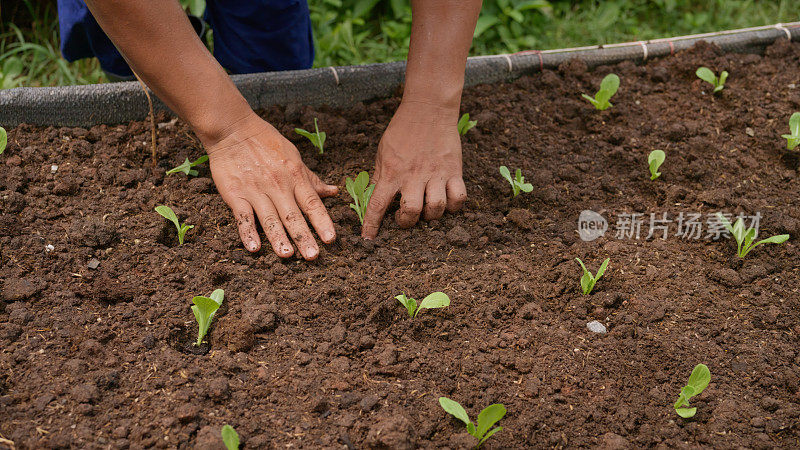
<point>368,31</point>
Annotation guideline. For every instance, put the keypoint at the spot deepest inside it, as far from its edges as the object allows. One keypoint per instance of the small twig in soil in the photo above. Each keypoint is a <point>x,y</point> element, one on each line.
<point>152,118</point>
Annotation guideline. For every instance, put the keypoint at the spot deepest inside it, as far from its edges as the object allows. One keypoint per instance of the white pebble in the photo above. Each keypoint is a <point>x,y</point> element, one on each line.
<point>54,168</point>
<point>49,247</point>
<point>596,327</point>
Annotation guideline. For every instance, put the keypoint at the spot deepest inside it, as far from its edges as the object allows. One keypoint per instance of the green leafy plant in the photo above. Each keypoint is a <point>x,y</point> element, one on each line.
<point>745,237</point>
<point>230,437</point>
<point>317,138</point>
<point>608,87</point>
<point>654,160</point>
<point>464,124</point>
<point>486,419</point>
<point>361,191</point>
<point>435,300</point>
<point>187,166</point>
<point>170,215</point>
<point>204,309</point>
<point>517,183</point>
<point>587,279</point>
<point>3,140</point>
<point>698,381</point>
<point>707,75</point>
<point>792,140</point>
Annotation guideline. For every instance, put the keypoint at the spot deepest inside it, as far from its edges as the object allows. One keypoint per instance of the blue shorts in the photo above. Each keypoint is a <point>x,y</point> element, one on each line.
<point>249,35</point>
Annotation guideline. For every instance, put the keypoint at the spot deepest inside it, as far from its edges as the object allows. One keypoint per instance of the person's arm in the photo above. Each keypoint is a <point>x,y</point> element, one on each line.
<point>253,166</point>
<point>420,152</point>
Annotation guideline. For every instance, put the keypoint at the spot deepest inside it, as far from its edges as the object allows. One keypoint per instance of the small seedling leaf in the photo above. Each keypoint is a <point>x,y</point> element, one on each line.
<point>707,75</point>
<point>317,138</point>
<point>464,124</point>
<point>488,417</point>
<point>455,409</point>
<point>230,437</point>
<point>697,383</point>
<point>3,140</point>
<point>186,166</point>
<point>361,191</point>
<point>686,413</point>
<point>654,160</point>
<point>204,309</point>
<point>167,213</point>
<point>435,300</point>
<point>778,239</point>
<point>602,269</point>
<point>792,139</point>
<point>506,174</point>
<point>409,303</point>
<point>489,434</point>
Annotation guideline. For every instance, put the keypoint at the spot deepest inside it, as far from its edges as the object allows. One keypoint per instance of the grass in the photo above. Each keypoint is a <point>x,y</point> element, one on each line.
<point>368,31</point>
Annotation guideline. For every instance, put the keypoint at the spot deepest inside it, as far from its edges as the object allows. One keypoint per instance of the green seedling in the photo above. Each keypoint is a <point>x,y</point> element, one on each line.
<point>587,279</point>
<point>317,138</point>
<point>204,309</point>
<point>608,87</point>
<point>745,237</point>
<point>3,140</point>
<point>517,183</point>
<point>435,300</point>
<point>230,437</point>
<point>792,140</point>
<point>707,75</point>
<point>486,419</point>
<point>361,191</point>
<point>698,381</point>
<point>170,215</point>
<point>464,124</point>
<point>187,166</point>
<point>654,160</point>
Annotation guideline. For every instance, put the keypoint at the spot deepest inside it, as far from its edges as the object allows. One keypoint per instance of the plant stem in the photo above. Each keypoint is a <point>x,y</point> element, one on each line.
<point>152,119</point>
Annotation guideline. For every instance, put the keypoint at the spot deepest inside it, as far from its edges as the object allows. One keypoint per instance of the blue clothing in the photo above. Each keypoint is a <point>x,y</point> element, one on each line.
<point>249,35</point>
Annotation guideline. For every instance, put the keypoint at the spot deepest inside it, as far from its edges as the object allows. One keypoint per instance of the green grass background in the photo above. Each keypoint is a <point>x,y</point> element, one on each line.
<point>367,31</point>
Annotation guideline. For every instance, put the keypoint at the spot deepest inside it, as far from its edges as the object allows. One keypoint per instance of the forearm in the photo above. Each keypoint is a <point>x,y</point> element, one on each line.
<point>441,35</point>
<point>160,45</point>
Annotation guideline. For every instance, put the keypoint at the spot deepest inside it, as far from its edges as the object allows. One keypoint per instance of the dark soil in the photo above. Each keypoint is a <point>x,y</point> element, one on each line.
<point>320,355</point>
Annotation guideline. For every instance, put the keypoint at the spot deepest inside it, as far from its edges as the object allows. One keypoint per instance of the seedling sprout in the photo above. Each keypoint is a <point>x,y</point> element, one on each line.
<point>230,437</point>
<point>707,75</point>
<point>170,215</point>
<point>361,191</point>
<point>517,183</point>
<point>588,280</point>
<point>486,419</point>
<point>435,300</point>
<point>792,140</point>
<point>744,237</point>
<point>317,138</point>
<point>608,87</point>
<point>698,381</point>
<point>187,166</point>
<point>204,309</point>
<point>3,140</point>
<point>464,124</point>
<point>654,160</point>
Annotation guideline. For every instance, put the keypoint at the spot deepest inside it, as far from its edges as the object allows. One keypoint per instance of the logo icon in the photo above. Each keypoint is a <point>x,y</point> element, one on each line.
<point>591,225</point>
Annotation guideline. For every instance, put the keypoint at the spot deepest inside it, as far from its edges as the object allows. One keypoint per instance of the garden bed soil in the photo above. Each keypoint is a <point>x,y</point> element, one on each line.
<point>320,355</point>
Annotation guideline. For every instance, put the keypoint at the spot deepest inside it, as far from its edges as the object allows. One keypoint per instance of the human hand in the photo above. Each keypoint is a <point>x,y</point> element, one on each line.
<point>257,169</point>
<point>419,156</point>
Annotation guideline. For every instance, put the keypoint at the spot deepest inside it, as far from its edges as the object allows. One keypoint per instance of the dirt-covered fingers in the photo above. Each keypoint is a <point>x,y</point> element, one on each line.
<point>382,196</point>
<point>435,199</point>
<point>322,189</point>
<point>411,201</point>
<point>243,212</point>
<point>295,224</point>
<point>456,194</point>
<point>273,227</point>
<point>312,206</point>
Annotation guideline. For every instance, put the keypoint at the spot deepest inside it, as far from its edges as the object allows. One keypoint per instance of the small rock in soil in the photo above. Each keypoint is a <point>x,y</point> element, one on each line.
<point>16,289</point>
<point>522,218</point>
<point>457,236</point>
<point>613,441</point>
<point>84,393</point>
<point>209,438</point>
<point>392,432</point>
<point>596,327</point>
<point>94,263</point>
<point>726,277</point>
<point>187,412</point>
<point>369,402</point>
